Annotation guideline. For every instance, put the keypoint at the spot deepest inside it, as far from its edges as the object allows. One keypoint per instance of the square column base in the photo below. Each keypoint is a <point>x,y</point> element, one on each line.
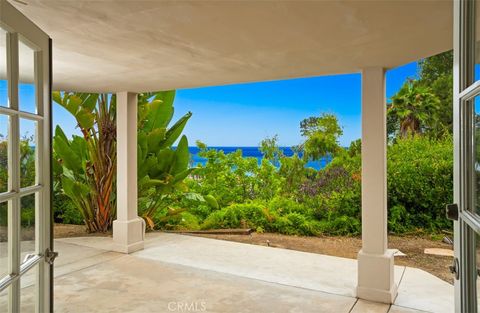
<point>128,236</point>
<point>375,277</point>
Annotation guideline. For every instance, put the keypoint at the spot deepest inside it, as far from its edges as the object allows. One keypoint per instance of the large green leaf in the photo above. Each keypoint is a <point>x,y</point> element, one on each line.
<point>60,134</point>
<point>159,115</point>
<point>166,97</point>
<point>212,201</point>
<point>181,176</point>
<point>89,101</point>
<point>155,137</point>
<point>85,119</point>
<point>193,196</point>
<point>72,104</point>
<point>182,156</point>
<point>142,146</point>
<point>148,167</point>
<point>80,105</point>
<point>79,146</point>
<point>165,158</point>
<point>157,182</point>
<point>57,97</point>
<point>74,189</point>
<point>67,155</point>
<point>57,167</point>
<point>175,131</point>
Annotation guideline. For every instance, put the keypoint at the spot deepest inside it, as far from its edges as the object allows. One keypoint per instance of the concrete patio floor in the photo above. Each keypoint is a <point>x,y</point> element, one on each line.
<point>177,273</point>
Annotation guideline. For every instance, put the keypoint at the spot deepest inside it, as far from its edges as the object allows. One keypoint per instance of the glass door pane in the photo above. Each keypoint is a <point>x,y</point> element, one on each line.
<point>476,28</point>
<point>4,153</point>
<point>28,155</point>
<point>3,240</point>
<point>26,74</point>
<point>477,256</point>
<point>27,227</point>
<point>476,154</point>
<point>3,69</point>
<point>28,291</point>
<point>4,300</point>
<point>4,161</point>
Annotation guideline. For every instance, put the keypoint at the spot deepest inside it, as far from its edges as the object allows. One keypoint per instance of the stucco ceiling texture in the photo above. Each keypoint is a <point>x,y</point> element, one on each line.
<point>160,45</point>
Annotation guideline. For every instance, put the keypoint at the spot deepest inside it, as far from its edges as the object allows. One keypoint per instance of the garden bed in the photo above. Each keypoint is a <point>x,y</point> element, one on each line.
<point>70,230</point>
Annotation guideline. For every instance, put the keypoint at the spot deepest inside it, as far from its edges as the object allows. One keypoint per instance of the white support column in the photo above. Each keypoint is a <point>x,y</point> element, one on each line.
<point>375,261</point>
<point>128,228</point>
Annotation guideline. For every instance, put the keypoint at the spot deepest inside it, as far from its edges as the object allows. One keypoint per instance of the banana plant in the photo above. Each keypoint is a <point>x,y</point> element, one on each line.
<point>162,167</point>
<point>86,164</point>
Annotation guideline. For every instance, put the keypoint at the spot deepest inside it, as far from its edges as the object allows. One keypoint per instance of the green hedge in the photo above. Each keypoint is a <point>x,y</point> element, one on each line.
<point>420,183</point>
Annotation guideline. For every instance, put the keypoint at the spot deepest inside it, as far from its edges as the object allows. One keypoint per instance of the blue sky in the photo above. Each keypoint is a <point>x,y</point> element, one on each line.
<point>244,114</point>
<point>26,102</point>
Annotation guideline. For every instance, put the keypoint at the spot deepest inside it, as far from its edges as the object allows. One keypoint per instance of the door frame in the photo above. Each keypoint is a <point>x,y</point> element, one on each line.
<point>465,89</point>
<point>17,25</point>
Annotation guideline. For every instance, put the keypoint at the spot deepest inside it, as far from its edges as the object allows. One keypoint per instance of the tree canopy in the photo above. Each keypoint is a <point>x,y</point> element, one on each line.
<point>321,135</point>
<point>424,104</point>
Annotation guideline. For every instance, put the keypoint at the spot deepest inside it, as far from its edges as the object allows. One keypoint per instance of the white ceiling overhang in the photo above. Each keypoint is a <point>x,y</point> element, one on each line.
<point>159,45</point>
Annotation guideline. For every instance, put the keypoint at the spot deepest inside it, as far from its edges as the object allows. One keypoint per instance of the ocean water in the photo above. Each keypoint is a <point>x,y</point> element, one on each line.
<point>256,153</point>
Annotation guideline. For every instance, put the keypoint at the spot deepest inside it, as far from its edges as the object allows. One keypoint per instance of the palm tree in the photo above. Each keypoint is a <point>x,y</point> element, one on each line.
<point>414,107</point>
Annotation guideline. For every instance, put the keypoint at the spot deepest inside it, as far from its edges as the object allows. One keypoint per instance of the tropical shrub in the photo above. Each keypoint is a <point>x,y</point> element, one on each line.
<point>179,221</point>
<point>295,224</point>
<point>284,205</point>
<point>399,220</point>
<point>64,211</point>
<point>87,164</point>
<point>231,178</point>
<point>420,183</point>
<point>341,226</point>
<point>251,215</point>
<point>188,221</point>
<point>264,217</point>
<point>293,173</point>
<point>331,179</point>
<point>161,166</point>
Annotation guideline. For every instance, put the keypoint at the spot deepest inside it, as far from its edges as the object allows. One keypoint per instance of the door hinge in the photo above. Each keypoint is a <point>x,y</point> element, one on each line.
<point>452,211</point>
<point>50,256</point>
<point>455,268</point>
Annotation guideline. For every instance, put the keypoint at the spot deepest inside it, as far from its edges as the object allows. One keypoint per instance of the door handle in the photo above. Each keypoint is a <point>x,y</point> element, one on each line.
<point>452,212</point>
<point>28,257</point>
<point>454,268</point>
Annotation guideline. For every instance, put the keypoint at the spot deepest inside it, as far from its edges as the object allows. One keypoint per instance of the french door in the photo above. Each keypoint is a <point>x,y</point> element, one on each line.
<point>466,212</point>
<point>26,255</point>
